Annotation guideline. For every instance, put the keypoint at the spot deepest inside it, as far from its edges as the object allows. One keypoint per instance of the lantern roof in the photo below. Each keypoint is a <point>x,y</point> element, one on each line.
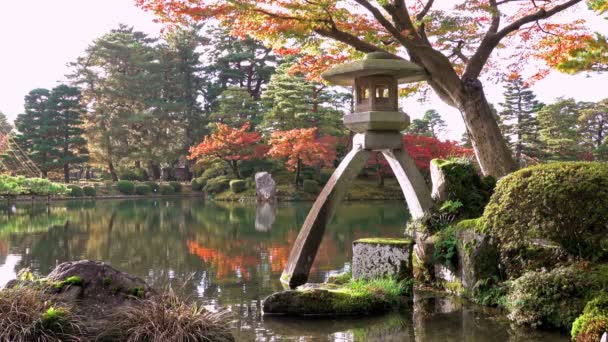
<point>375,63</point>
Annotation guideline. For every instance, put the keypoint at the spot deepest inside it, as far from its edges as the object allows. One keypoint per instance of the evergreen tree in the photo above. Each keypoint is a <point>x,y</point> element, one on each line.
<point>435,123</point>
<point>5,126</point>
<point>67,112</point>
<point>593,126</point>
<point>37,129</point>
<point>236,107</point>
<point>419,127</point>
<point>559,129</point>
<point>518,120</point>
<point>291,101</point>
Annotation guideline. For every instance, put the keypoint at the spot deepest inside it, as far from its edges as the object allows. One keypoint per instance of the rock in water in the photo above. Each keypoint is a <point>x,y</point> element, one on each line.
<point>265,187</point>
<point>382,257</point>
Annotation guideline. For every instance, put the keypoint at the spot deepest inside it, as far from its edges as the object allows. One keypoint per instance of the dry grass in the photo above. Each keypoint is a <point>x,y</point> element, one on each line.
<point>26,314</point>
<point>166,318</point>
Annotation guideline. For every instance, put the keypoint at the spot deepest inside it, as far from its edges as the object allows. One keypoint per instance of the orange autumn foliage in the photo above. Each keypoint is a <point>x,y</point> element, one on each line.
<point>227,143</point>
<point>302,146</point>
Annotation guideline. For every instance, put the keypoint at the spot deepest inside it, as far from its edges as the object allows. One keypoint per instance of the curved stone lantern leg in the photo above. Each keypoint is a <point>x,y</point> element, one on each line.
<point>413,185</point>
<point>307,244</point>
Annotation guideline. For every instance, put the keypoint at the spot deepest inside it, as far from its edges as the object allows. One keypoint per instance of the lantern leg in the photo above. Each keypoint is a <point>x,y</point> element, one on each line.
<point>414,187</point>
<point>305,249</point>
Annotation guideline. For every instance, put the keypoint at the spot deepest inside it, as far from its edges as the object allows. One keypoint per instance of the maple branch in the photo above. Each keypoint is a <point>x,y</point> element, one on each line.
<point>425,10</point>
<point>348,39</point>
<point>394,31</point>
<point>491,40</point>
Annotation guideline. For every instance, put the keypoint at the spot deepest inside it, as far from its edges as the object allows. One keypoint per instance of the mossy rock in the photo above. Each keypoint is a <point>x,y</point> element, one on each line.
<point>351,299</point>
<point>382,257</point>
<point>565,203</point>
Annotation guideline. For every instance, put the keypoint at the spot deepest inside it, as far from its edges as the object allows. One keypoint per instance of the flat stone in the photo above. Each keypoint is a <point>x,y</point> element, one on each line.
<point>379,140</point>
<point>382,257</point>
<point>265,187</point>
<point>376,121</point>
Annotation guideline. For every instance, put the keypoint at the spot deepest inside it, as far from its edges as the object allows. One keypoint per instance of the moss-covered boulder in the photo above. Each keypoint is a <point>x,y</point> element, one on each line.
<point>456,179</point>
<point>351,299</point>
<point>555,298</point>
<point>382,257</point>
<point>478,258</point>
<point>564,203</point>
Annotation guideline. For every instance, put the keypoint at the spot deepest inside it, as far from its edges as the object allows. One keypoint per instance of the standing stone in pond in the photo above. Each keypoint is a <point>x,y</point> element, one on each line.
<point>382,257</point>
<point>265,187</point>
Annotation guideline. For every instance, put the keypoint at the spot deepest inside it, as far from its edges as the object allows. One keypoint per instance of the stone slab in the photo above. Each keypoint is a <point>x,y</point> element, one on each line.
<point>376,121</point>
<point>381,257</point>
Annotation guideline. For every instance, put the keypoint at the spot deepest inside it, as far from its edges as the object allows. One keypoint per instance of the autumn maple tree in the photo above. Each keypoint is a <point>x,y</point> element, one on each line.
<point>302,147</point>
<point>456,42</point>
<point>231,145</point>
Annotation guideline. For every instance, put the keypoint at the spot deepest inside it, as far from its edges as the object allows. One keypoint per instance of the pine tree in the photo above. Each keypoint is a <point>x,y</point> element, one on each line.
<point>593,126</point>
<point>67,111</point>
<point>519,124</point>
<point>236,107</point>
<point>37,129</point>
<point>558,123</point>
<point>5,126</point>
<point>435,122</point>
<point>291,101</point>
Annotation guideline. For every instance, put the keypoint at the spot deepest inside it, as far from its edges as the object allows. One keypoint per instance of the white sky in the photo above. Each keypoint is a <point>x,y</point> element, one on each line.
<point>39,37</point>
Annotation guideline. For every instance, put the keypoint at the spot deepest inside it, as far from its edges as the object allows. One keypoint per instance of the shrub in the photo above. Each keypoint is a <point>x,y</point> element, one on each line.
<point>126,187</point>
<point>154,186</point>
<point>166,317</point>
<point>90,191</point>
<point>464,185</point>
<point>216,170</point>
<point>177,186</point>
<point>554,299</point>
<point>237,185</point>
<point>166,189</point>
<point>133,175</point>
<point>310,186</point>
<point>197,184</point>
<point>142,189</point>
<point>592,324</point>
<point>566,203</point>
<point>28,315</point>
<point>217,185</point>
<point>75,191</point>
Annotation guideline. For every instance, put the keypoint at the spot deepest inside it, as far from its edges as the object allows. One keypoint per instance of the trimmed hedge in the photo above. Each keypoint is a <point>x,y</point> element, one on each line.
<point>238,185</point>
<point>75,191</point>
<point>310,186</point>
<point>154,187</point>
<point>591,325</point>
<point>142,189</point>
<point>566,203</point>
<point>90,191</point>
<point>217,185</point>
<point>177,186</point>
<point>132,175</point>
<point>166,189</point>
<point>126,187</point>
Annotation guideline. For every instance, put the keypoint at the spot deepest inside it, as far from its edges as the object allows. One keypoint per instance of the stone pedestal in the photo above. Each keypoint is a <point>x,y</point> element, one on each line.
<point>382,257</point>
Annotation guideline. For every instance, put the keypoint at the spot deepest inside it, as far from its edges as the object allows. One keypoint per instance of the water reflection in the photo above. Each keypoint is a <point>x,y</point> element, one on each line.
<point>228,255</point>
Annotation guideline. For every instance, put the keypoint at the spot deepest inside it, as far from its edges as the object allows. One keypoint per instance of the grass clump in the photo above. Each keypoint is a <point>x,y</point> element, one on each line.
<point>73,280</point>
<point>340,279</point>
<point>166,318</point>
<point>26,314</point>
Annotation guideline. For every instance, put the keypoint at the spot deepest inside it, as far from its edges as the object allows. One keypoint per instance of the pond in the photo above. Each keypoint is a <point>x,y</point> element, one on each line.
<point>232,255</point>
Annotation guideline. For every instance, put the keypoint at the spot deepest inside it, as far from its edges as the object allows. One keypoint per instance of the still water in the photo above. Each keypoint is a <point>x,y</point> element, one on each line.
<point>232,255</point>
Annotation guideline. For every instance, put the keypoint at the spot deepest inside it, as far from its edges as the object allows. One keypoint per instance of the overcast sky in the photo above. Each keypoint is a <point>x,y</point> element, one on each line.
<point>39,37</point>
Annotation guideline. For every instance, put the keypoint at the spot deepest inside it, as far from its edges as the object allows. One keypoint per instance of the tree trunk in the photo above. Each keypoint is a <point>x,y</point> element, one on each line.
<point>491,149</point>
<point>112,171</point>
<point>235,168</point>
<point>66,173</point>
<point>297,176</point>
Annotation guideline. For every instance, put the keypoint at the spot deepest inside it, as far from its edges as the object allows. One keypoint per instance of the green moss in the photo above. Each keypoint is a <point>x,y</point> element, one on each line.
<point>386,241</point>
<point>107,281</point>
<point>53,317</point>
<point>137,292</point>
<point>73,280</point>
<point>477,225</point>
<point>566,203</point>
<point>340,279</point>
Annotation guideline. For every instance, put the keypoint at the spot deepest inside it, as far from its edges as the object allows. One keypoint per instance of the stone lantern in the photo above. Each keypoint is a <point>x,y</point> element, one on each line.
<point>377,124</point>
